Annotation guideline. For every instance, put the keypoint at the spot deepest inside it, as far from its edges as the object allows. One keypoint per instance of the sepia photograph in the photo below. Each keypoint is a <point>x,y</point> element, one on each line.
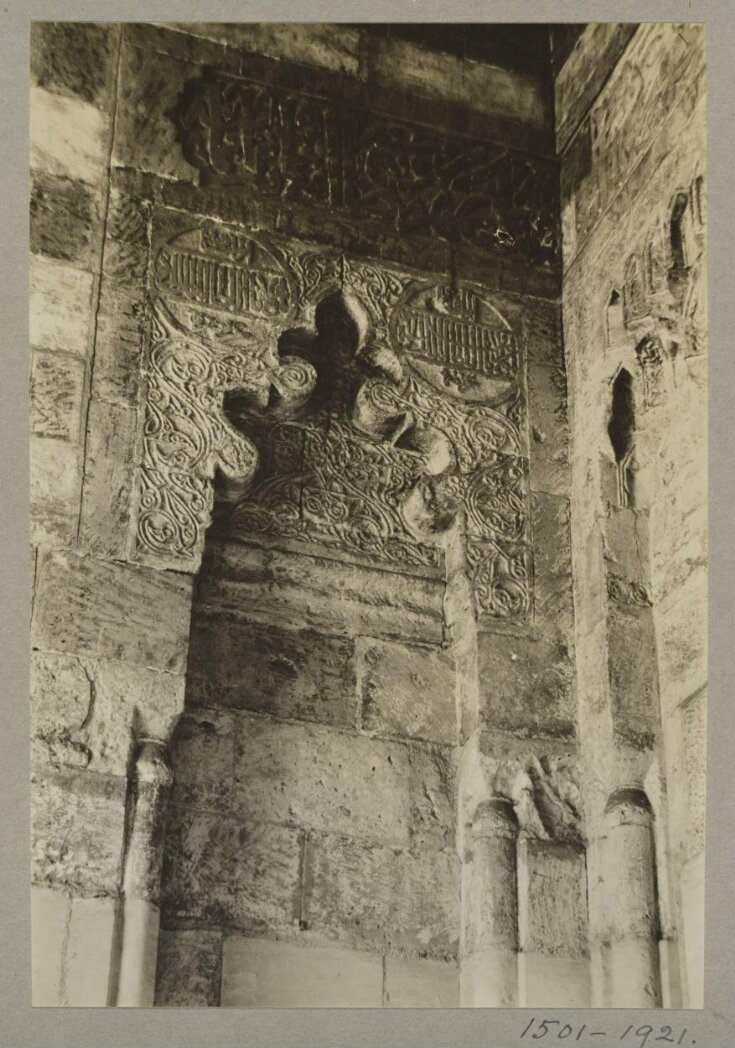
<point>369,515</point>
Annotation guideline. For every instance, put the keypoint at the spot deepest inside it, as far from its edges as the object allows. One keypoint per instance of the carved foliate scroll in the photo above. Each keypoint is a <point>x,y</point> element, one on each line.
<point>186,436</point>
<point>345,404</point>
<point>415,419</point>
<point>219,300</point>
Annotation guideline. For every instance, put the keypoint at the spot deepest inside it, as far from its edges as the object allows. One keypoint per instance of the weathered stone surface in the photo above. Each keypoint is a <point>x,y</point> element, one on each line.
<point>119,345</point>
<point>526,684</point>
<point>488,88</point>
<point>57,387</point>
<point>382,898</point>
<point>88,606</point>
<point>544,336</point>
<point>61,302</point>
<point>189,969</point>
<point>407,690</point>
<point>228,872</point>
<point>322,778</point>
<point>50,912</point>
<point>549,429</point>
<point>631,657</point>
<point>89,956</point>
<point>589,64</point>
<point>75,59</point>
<point>61,696</point>
<point>553,982</point>
<point>68,137</point>
<point>203,760</point>
<point>420,983</point>
<point>553,597</point>
<point>109,473</point>
<point>330,46</point>
<point>324,595</point>
<point>144,137</point>
<point>65,220</point>
<point>648,96</point>
<point>432,797</point>
<point>55,491</point>
<point>627,546</point>
<point>77,831</point>
<point>129,702</point>
<point>693,726</point>
<point>285,673</point>
<point>261,974</point>
<point>552,921</point>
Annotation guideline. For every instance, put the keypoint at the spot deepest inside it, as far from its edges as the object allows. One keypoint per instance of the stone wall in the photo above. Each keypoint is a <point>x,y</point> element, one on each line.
<point>317,712</point>
<point>630,123</point>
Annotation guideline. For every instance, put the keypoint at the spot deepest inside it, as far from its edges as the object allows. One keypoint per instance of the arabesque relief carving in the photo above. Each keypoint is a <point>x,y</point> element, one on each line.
<point>308,152</point>
<point>344,403</point>
<point>415,418</point>
<point>192,364</point>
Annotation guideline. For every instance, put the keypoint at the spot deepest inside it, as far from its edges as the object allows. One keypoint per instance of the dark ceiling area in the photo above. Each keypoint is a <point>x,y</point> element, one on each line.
<point>536,48</point>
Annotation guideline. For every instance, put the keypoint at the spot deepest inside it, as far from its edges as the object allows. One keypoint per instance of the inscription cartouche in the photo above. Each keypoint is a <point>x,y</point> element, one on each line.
<point>223,270</point>
<point>458,341</point>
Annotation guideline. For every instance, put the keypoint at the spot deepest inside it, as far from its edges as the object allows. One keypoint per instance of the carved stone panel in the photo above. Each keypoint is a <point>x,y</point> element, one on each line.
<point>313,153</point>
<point>416,417</point>
<point>218,301</point>
<point>346,404</point>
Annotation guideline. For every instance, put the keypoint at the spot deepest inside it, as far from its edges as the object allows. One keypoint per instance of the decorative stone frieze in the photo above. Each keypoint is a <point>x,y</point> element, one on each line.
<point>317,154</point>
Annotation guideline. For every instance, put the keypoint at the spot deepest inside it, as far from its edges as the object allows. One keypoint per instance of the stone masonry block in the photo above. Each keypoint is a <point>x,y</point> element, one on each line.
<point>321,778</point>
<point>552,541</point>
<point>432,787</point>
<point>374,897</point>
<point>202,760</point>
<point>326,595</point>
<point>77,831</point>
<point>88,606</point>
<point>57,388</point>
<point>68,137</point>
<point>109,476</point>
<point>547,405</point>
<point>61,695</point>
<point>66,220</point>
<point>632,666</point>
<point>407,690</point>
<point>260,974</point>
<point>282,672</point>
<point>61,304</point>
<point>329,46</point>
<point>50,912</point>
<point>74,59</point>
<point>119,344</point>
<point>90,952</point>
<point>189,969</point>
<point>145,138</point>
<point>421,983</point>
<point>552,899</point>
<point>233,872</point>
<point>526,684</point>
<point>543,329</point>
<point>55,491</point>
